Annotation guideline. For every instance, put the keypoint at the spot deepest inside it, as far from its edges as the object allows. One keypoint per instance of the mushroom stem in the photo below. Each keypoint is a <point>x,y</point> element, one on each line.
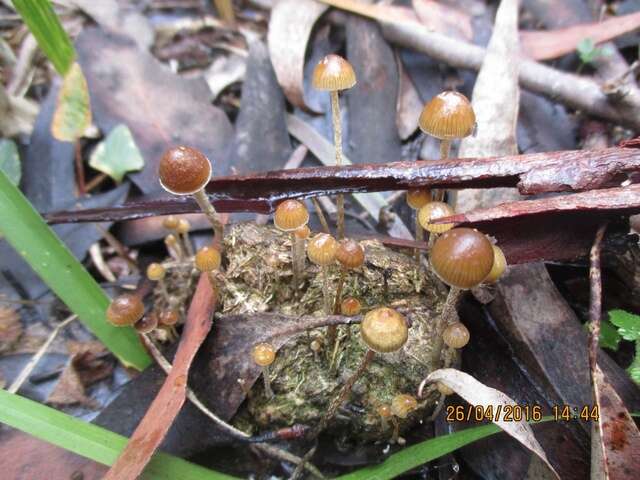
<point>321,217</point>
<point>296,253</point>
<point>210,212</point>
<point>332,330</point>
<point>187,244</point>
<point>337,140</point>
<point>448,311</point>
<point>325,290</point>
<point>445,149</point>
<point>344,392</point>
<point>267,382</point>
<point>396,429</point>
<point>416,251</point>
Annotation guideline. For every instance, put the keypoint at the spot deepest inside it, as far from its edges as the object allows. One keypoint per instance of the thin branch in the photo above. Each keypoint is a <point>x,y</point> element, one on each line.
<point>595,304</point>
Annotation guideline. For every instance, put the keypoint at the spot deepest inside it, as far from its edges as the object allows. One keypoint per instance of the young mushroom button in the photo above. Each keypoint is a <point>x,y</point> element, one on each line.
<point>384,330</point>
<point>456,335</point>
<point>291,216</point>
<point>433,211</point>
<point>125,310</point>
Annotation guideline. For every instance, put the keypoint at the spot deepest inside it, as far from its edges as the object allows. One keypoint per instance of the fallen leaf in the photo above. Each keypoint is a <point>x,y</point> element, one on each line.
<point>10,328</point>
<point>409,104</point>
<point>288,41</point>
<point>128,86</point>
<point>443,18</point>
<point>17,114</point>
<point>479,394</point>
<point>164,408</point>
<point>224,71</point>
<point>10,161</point>
<point>88,360</point>
<point>73,110</point>
<point>117,154</point>
<point>549,44</point>
<point>69,390</point>
<point>618,434</point>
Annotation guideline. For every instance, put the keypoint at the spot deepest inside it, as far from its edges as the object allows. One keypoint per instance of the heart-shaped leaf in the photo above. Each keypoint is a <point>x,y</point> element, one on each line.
<point>117,154</point>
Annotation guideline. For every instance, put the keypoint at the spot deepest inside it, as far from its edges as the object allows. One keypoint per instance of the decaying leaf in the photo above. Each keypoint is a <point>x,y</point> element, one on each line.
<point>87,358</point>
<point>443,18</point>
<point>10,161</point>
<point>409,105</point>
<point>73,110</point>
<point>10,328</point>
<point>486,397</point>
<point>288,43</point>
<point>618,434</point>
<point>69,390</point>
<point>117,154</point>
<point>17,114</point>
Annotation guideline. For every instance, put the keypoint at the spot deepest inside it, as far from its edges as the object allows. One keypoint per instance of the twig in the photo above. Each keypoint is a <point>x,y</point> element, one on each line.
<point>595,304</point>
<point>26,371</point>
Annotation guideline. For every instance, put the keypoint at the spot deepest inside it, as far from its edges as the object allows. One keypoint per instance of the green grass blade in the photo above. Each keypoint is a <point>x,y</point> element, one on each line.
<point>46,28</point>
<point>89,440</point>
<point>423,452</point>
<point>25,230</point>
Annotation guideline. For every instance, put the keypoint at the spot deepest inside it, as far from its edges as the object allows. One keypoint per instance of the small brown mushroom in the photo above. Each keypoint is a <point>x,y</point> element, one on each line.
<point>264,354</point>
<point>321,250</point>
<point>125,310</point>
<point>292,216</point>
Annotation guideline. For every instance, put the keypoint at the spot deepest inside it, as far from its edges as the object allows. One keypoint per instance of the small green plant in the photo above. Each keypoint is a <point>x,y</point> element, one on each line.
<point>628,328</point>
<point>589,52</point>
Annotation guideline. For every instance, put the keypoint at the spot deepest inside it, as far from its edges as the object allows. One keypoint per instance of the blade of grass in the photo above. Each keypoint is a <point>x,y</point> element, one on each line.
<point>89,440</point>
<point>51,37</point>
<point>25,230</point>
<point>423,452</point>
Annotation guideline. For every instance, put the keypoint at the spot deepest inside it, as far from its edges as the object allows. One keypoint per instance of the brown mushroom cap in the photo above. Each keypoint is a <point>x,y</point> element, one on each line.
<point>263,354</point>
<point>350,306</point>
<point>403,404</point>
<point>321,249</point>
<point>456,335</point>
<point>184,170</point>
<point>350,254</point>
<point>499,265</point>
<point>384,330</point>
<point>155,272</point>
<point>208,259</point>
<point>418,197</point>
<point>147,323</point>
<point>448,115</point>
<point>433,211</point>
<point>462,257</point>
<point>384,410</point>
<point>290,215</point>
<point>333,73</point>
<point>303,232</point>
<point>125,310</point>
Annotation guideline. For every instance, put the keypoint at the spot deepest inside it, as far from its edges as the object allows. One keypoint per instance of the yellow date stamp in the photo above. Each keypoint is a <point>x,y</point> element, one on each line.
<point>519,413</point>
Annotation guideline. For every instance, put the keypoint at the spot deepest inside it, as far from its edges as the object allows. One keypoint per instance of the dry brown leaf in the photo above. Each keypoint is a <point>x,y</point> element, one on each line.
<point>409,104</point>
<point>477,393</point>
<point>545,45</point>
<point>618,434</point>
<point>69,390</point>
<point>288,39</point>
<point>10,328</point>
<point>444,19</point>
<point>87,359</point>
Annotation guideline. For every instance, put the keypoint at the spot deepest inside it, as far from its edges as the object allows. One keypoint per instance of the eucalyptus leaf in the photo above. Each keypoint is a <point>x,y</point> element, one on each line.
<point>73,111</point>
<point>628,324</point>
<point>117,154</point>
<point>10,161</point>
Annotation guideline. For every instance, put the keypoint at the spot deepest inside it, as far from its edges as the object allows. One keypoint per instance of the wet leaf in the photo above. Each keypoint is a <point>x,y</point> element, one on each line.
<point>10,161</point>
<point>628,324</point>
<point>477,393</point>
<point>117,154</point>
<point>288,44</point>
<point>73,111</point>
<point>618,434</point>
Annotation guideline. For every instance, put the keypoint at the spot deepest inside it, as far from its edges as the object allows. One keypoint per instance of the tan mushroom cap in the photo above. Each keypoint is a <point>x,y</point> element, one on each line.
<point>418,197</point>
<point>155,272</point>
<point>333,73</point>
<point>448,115</point>
<point>456,335</point>
<point>350,253</point>
<point>384,330</point>
<point>184,170</point>
<point>433,211</point>
<point>290,215</point>
<point>169,317</point>
<point>499,265</point>
<point>403,404</point>
<point>263,354</point>
<point>208,259</point>
<point>462,257</point>
<point>321,249</point>
<point>302,232</point>
<point>147,324</point>
<point>125,310</point>
<point>350,306</point>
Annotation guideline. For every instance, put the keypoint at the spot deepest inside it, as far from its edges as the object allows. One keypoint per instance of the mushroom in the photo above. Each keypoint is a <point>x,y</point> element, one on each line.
<point>173,247</point>
<point>447,116</point>
<point>350,307</point>
<point>183,230</point>
<point>434,211</point>
<point>333,73</point>
<point>186,171</point>
<point>401,406</point>
<point>321,250</point>
<point>156,273</point>
<point>462,258</point>
<point>125,310</point>
<point>207,260</point>
<point>350,255</point>
<point>264,354</point>
<point>416,199</point>
<point>147,323</point>
<point>456,335</point>
<point>170,222</point>
<point>291,216</point>
<point>499,266</point>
